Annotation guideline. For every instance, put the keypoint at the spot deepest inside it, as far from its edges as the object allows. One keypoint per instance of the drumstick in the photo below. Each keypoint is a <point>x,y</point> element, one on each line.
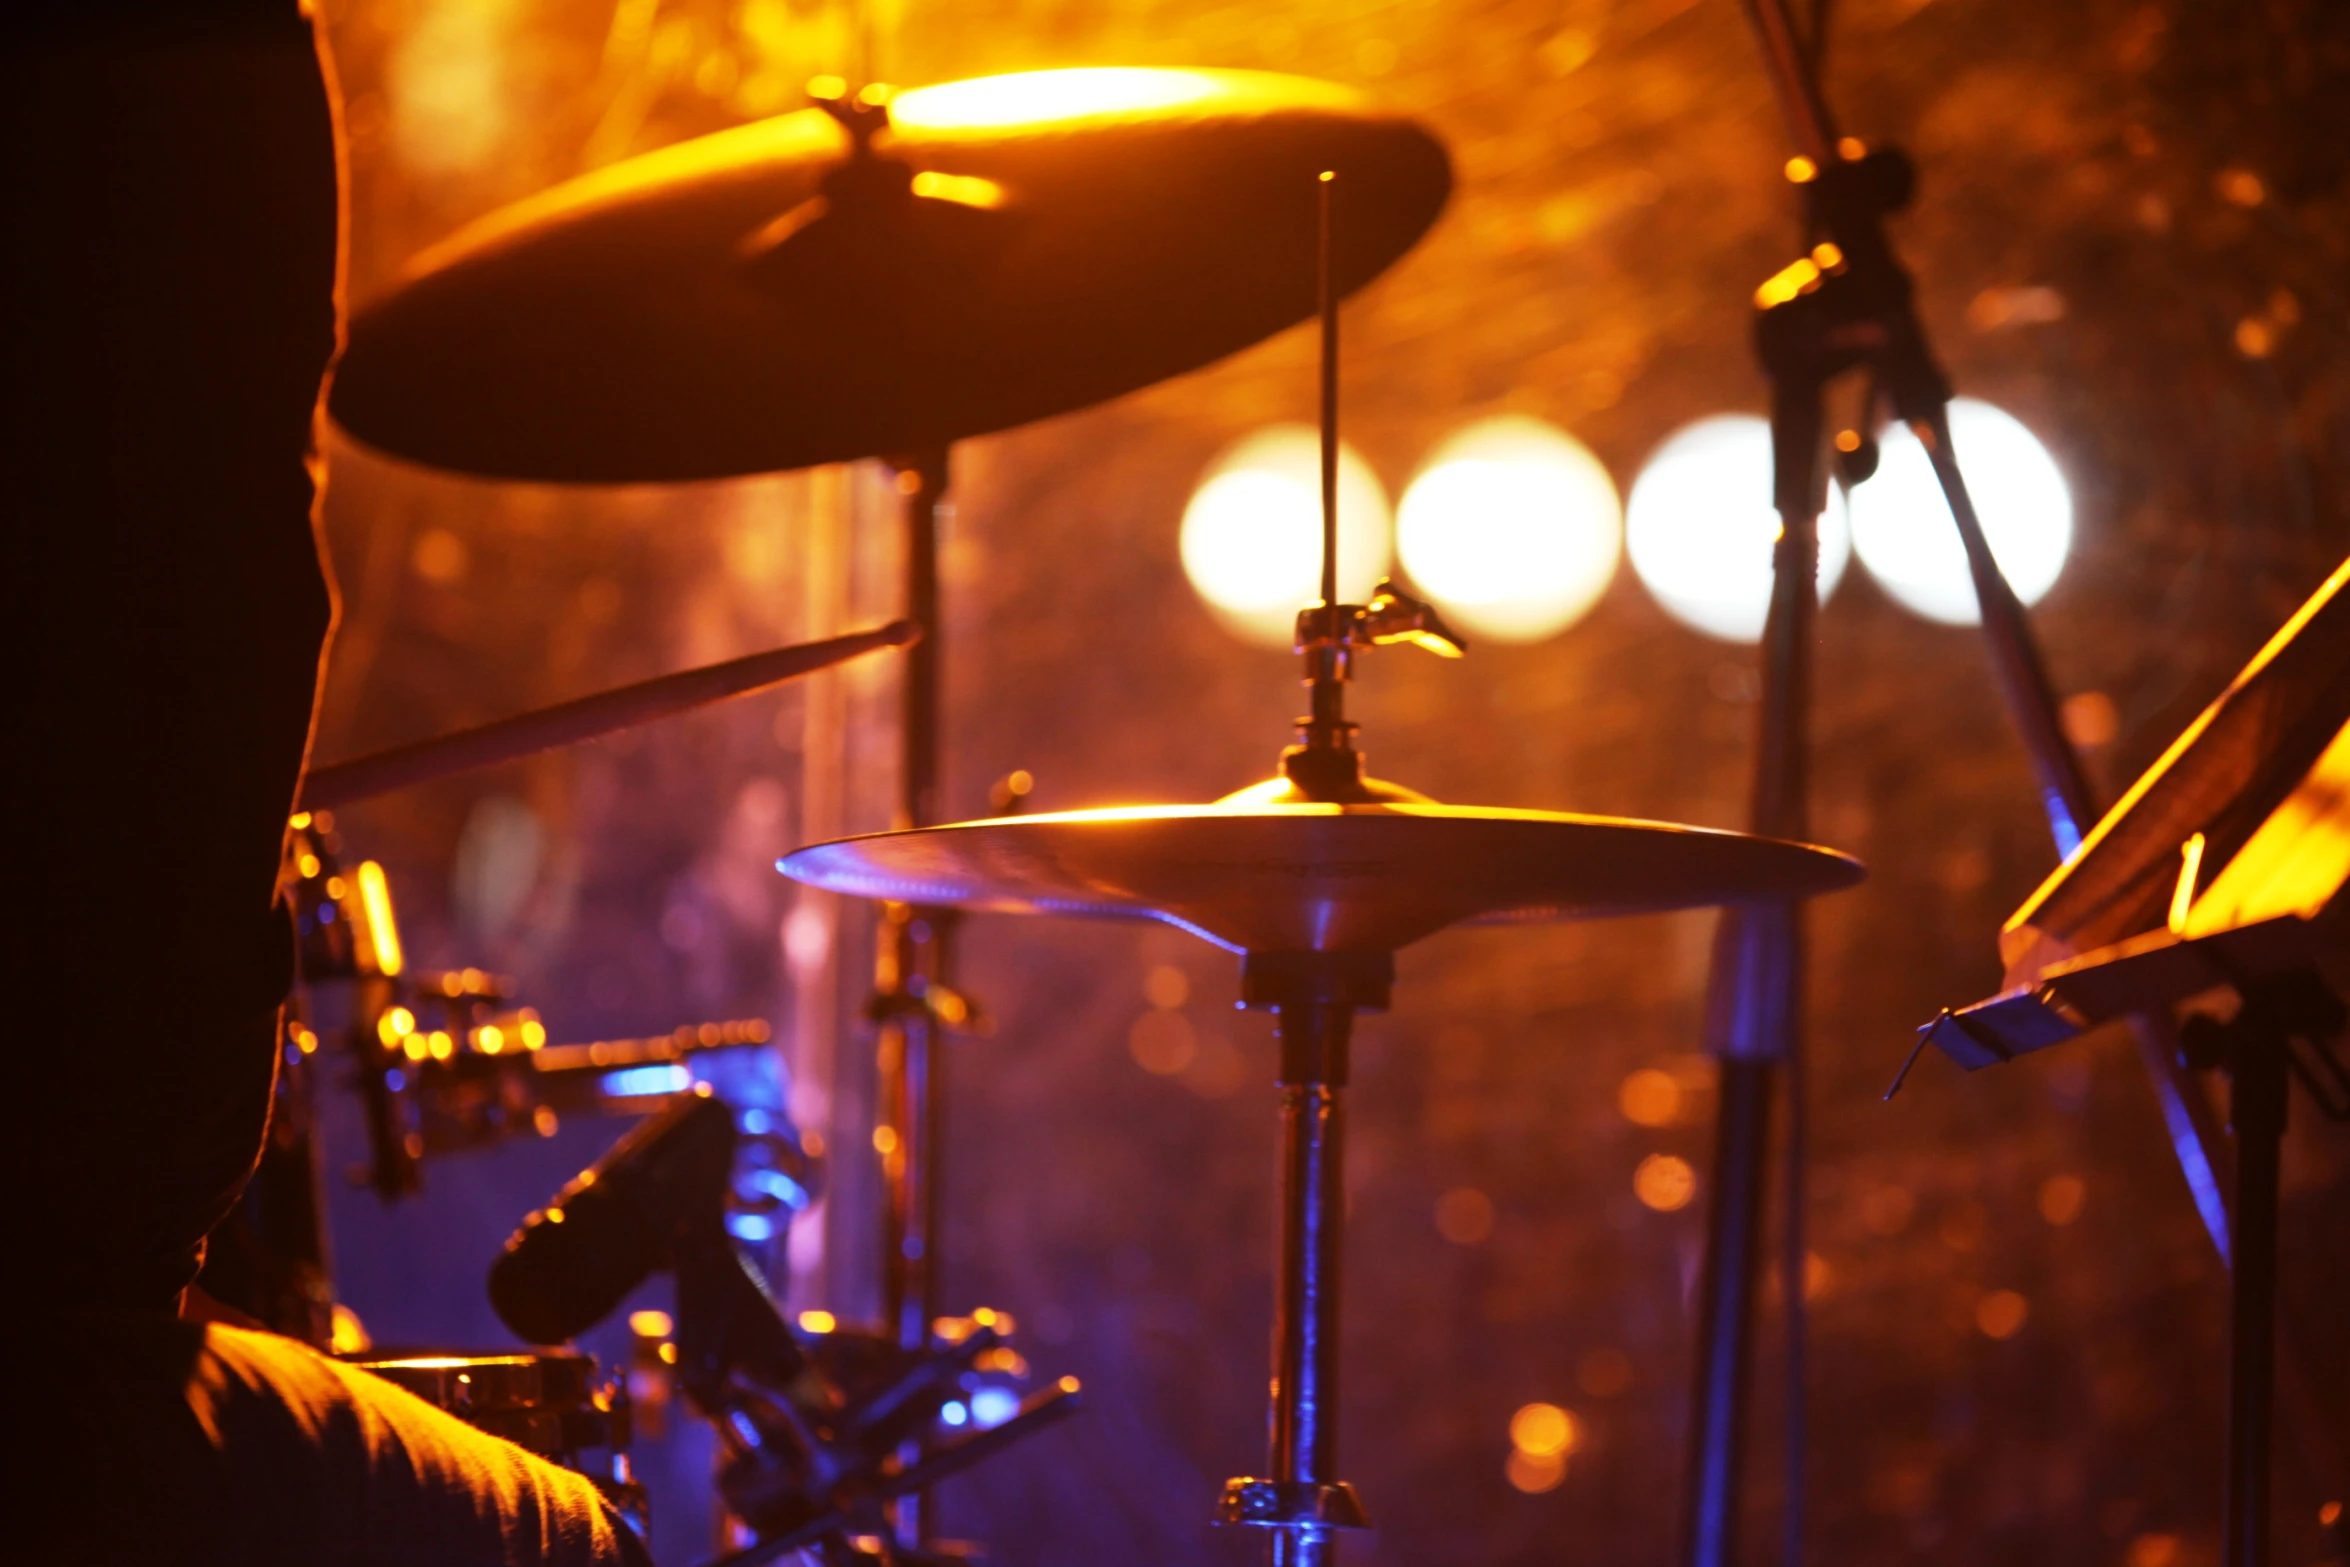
<point>566,723</point>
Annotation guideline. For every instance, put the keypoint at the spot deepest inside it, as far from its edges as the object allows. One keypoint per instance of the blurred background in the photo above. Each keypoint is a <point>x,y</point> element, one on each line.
<point>2132,235</point>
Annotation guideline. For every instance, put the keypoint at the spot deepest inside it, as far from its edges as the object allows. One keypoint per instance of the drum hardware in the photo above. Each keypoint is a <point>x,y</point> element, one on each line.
<point>1846,305</point>
<point>2217,888</point>
<point>814,1422</point>
<point>442,1063</point>
<point>447,1061</point>
<point>1316,877</point>
<point>546,1401</point>
<point>269,1257</point>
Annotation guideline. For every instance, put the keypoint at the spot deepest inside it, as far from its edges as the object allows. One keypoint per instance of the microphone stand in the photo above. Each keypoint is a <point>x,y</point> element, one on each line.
<point>1846,305</point>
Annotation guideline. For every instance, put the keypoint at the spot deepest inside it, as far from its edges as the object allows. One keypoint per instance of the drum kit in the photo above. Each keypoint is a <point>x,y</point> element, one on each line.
<point>878,277</point>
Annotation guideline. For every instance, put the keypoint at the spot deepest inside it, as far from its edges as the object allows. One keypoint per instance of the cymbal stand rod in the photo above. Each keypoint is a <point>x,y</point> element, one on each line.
<point>1324,757</point>
<point>911,957</point>
<point>1305,1314</point>
<point>1299,1500</point>
<point>922,485</point>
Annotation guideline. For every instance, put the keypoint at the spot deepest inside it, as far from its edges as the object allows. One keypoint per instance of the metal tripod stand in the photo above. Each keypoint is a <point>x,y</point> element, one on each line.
<point>1845,305</point>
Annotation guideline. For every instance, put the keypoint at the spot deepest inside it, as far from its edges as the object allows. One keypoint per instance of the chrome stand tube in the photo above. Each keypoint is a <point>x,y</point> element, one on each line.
<point>1305,1309</point>
<point>910,959</point>
<point>1300,1501</point>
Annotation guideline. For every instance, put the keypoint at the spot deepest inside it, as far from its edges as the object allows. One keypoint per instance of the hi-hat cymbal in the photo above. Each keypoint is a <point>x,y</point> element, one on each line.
<point>718,308</point>
<point>1258,877</point>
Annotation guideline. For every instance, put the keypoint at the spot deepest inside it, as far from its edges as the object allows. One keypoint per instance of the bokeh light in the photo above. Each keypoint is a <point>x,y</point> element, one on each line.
<point>1534,1475</point>
<point>1513,528</point>
<point>1464,1216</point>
<point>1901,525</point>
<point>1664,1182</point>
<point>2002,1314</point>
<point>1700,527</point>
<point>1542,1431</point>
<point>1162,1043</point>
<point>2061,1199</point>
<point>1649,1098</point>
<point>1252,535</point>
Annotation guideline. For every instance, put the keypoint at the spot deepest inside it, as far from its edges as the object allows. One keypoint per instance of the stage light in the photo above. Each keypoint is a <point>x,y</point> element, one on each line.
<point>1902,528</point>
<point>1513,528</point>
<point>1700,528</point>
<point>1252,535</point>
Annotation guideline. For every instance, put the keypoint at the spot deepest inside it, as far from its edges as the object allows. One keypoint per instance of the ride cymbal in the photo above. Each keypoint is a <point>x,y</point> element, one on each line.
<point>782,294</point>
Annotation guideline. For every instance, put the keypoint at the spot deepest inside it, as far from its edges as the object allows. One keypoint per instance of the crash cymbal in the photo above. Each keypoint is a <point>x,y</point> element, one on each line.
<point>769,297</point>
<point>586,718</point>
<point>1258,877</point>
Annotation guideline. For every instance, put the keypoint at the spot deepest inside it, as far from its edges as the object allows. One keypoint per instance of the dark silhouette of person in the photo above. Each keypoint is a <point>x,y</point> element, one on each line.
<point>171,294</point>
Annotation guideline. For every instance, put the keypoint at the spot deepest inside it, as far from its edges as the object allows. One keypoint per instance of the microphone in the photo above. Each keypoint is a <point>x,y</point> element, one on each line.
<point>622,1218</point>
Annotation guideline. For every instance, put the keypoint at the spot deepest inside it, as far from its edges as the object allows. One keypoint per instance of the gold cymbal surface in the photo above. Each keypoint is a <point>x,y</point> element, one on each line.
<point>1017,247</point>
<point>1314,877</point>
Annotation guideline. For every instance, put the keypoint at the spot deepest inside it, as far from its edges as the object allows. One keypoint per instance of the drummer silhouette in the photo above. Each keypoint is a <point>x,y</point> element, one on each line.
<point>171,289</point>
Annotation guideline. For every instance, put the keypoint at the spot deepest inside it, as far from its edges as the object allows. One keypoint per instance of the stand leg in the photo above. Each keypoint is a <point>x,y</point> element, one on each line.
<point>2259,1116</point>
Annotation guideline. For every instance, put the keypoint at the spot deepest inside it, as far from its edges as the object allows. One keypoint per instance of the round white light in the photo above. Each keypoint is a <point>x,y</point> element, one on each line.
<point>1700,528</point>
<point>1902,527</point>
<point>1252,535</point>
<point>1513,528</point>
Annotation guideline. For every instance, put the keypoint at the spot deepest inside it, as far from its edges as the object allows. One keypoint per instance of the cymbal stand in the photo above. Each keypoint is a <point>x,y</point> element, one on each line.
<point>1301,1501</point>
<point>1315,995</point>
<point>914,946</point>
<point>912,1002</point>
